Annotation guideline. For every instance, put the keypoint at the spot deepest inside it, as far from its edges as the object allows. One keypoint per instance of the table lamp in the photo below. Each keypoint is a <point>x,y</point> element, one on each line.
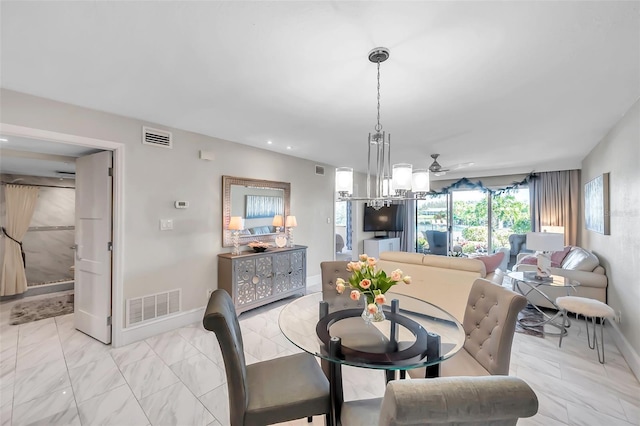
<point>544,243</point>
<point>553,229</point>
<point>236,224</point>
<point>278,222</point>
<point>290,223</point>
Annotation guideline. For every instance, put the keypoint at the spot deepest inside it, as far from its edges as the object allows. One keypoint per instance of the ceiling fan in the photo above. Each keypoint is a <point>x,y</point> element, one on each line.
<point>438,170</point>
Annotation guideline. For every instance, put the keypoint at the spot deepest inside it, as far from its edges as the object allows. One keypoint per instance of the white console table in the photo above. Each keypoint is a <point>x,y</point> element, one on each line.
<point>374,246</point>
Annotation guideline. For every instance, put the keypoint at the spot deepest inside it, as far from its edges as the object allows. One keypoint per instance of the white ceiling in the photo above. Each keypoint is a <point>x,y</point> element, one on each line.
<point>511,86</point>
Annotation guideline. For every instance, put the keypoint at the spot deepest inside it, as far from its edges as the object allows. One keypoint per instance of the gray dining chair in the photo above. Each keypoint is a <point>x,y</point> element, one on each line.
<point>267,392</point>
<point>489,324</point>
<point>453,401</point>
<point>330,271</point>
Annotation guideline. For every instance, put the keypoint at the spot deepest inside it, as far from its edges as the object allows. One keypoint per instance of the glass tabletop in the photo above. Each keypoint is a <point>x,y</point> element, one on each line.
<point>417,323</point>
<point>554,280</point>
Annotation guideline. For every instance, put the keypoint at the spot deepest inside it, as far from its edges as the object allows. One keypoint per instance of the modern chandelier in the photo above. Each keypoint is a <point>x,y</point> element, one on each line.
<point>390,183</point>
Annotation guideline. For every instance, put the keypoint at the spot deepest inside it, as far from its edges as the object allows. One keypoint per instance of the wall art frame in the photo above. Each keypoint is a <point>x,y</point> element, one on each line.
<point>597,215</point>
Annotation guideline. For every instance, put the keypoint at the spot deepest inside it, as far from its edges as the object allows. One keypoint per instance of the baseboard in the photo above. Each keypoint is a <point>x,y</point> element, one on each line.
<point>629,354</point>
<point>159,326</point>
<point>314,280</point>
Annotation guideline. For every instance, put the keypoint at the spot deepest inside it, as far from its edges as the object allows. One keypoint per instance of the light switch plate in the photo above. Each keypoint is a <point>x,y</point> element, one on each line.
<point>166,224</point>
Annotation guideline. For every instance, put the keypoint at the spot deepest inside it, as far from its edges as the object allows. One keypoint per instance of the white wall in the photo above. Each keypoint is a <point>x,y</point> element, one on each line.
<point>155,177</point>
<point>619,154</point>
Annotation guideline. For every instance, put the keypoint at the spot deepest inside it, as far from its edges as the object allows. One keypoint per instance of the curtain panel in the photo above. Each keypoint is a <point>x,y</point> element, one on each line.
<point>555,201</point>
<point>20,203</point>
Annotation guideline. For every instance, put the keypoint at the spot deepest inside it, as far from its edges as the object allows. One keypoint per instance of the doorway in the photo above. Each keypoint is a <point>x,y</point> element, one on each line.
<point>72,141</point>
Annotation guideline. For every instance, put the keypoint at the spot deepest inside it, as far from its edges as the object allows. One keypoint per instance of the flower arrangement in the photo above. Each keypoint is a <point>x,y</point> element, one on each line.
<point>366,279</point>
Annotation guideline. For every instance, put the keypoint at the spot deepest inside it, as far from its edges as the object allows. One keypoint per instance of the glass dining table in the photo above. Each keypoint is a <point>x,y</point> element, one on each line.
<point>415,334</point>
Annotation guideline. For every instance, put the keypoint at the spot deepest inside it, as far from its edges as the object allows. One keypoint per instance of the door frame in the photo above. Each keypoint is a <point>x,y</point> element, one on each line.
<point>117,265</point>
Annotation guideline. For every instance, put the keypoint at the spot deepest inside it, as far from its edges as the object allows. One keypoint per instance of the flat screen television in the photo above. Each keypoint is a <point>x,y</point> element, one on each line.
<point>387,218</point>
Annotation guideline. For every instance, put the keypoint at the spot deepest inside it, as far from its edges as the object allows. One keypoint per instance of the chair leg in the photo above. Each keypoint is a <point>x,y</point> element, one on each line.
<point>592,344</point>
<point>309,419</point>
<point>564,329</point>
<point>598,349</point>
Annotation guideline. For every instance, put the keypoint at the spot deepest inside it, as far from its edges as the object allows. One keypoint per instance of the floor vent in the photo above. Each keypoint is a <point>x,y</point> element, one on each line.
<point>147,308</point>
<point>156,137</point>
<point>320,170</point>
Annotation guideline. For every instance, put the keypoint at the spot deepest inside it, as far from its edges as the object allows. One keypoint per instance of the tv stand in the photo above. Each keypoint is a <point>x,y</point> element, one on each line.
<point>374,246</point>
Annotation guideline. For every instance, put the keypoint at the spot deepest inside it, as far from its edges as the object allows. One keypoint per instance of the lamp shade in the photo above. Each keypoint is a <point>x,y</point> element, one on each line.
<point>545,241</point>
<point>236,223</point>
<point>553,229</point>
<point>344,180</point>
<point>278,220</point>
<point>402,176</point>
<point>291,222</point>
<point>420,180</point>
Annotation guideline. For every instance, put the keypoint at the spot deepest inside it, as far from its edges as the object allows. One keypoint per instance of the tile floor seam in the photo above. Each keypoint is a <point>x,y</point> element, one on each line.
<point>129,386</point>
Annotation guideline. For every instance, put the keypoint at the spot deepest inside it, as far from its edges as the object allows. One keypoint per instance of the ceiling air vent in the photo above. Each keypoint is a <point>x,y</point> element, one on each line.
<point>156,137</point>
<point>319,170</point>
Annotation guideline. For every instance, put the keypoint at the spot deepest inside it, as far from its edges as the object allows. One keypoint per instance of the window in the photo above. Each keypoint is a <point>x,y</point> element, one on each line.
<point>476,221</point>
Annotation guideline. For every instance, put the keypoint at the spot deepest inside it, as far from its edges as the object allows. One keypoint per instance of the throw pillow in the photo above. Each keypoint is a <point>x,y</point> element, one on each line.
<point>529,260</point>
<point>491,262</point>
<point>558,256</point>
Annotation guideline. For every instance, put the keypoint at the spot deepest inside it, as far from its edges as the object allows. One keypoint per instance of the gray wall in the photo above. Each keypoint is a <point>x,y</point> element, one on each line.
<point>619,154</point>
<point>156,260</point>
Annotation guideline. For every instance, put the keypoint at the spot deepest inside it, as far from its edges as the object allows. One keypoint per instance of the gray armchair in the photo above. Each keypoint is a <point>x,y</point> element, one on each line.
<point>455,401</point>
<point>437,241</point>
<point>260,394</point>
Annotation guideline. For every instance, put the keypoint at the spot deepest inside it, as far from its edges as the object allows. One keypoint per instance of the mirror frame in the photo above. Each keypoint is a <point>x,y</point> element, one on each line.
<point>227,182</point>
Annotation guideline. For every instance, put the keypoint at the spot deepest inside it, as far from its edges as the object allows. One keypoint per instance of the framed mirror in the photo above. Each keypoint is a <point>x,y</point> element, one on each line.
<point>256,201</point>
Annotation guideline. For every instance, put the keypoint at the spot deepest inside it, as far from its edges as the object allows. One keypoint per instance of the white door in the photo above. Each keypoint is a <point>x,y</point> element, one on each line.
<point>92,311</point>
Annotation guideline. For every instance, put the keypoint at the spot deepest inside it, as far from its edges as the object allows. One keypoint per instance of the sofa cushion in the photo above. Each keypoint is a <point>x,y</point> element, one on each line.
<point>580,259</point>
<point>491,262</point>
<point>260,230</point>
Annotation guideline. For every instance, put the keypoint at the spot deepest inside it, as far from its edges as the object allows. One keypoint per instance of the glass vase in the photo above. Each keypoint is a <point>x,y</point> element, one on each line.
<point>369,317</point>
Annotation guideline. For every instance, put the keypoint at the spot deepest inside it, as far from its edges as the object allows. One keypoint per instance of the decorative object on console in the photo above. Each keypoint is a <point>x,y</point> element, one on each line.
<point>367,280</point>
<point>236,224</point>
<point>402,176</point>
<point>259,246</point>
<point>543,243</point>
<point>280,240</point>
<point>290,223</point>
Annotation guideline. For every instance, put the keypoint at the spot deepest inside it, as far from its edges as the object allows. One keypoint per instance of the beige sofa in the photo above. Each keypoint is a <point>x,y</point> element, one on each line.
<point>441,280</point>
<point>579,265</point>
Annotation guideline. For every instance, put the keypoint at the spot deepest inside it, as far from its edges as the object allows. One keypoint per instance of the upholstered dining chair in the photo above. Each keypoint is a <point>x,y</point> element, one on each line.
<point>330,271</point>
<point>489,324</point>
<point>454,401</point>
<point>267,392</point>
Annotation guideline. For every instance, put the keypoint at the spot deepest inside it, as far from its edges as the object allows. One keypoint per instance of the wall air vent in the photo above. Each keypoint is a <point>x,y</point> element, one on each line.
<point>319,170</point>
<point>153,306</point>
<point>156,137</point>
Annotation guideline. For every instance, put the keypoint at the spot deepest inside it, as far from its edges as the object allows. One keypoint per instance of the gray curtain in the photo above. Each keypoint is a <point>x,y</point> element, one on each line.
<point>555,201</point>
<point>408,236</point>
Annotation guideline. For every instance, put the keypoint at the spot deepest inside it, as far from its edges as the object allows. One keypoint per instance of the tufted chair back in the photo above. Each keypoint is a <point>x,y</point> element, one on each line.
<point>489,323</point>
<point>331,271</point>
<point>220,317</point>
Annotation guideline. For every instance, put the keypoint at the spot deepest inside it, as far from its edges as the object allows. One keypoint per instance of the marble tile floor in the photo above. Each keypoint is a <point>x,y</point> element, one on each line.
<point>52,374</point>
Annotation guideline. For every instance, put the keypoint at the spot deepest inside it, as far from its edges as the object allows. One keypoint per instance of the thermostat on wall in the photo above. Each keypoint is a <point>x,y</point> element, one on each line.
<point>181,204</point>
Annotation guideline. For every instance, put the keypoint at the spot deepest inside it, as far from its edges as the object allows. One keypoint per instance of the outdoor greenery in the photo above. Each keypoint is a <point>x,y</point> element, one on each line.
<point>509,215</point>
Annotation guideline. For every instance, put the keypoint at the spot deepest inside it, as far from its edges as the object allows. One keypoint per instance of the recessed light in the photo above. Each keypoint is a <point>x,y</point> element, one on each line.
<point>269,142</point>
<point>289,147</point>
<point>4,140</point>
